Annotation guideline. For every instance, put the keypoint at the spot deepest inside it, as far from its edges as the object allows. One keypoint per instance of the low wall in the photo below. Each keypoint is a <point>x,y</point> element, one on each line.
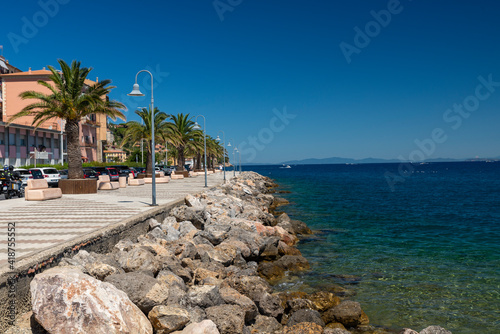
<point>99,241</point>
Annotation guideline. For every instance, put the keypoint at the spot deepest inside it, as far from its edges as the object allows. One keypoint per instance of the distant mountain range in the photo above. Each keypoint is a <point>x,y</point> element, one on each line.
<point>337,160</point>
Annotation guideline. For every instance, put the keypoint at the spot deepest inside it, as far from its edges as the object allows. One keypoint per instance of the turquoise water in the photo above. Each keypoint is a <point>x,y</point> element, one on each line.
<point>424,254</point>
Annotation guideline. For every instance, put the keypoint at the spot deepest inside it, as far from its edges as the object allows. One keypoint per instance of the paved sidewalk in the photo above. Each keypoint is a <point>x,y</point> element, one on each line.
<point>40,225</point>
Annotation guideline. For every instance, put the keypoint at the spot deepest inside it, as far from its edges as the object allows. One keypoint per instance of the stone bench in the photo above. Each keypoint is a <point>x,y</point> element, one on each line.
<point>164,179</point>
<point>38,190</point>
<point>104,183</point>
<point>135,182</point>
<point>177,176</point>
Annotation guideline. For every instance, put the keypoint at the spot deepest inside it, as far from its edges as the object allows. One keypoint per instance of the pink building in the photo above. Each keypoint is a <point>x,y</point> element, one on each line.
<point>19,140</point>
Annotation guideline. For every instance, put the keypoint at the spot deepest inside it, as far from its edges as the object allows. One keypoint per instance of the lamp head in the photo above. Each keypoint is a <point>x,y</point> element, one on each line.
<point>135,91</point>
<point>229,144</point>
<point>218,138</point>
<point>196,126</point>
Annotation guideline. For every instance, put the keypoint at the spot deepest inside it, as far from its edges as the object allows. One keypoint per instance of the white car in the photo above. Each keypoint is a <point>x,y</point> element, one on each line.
<point>24,174</point>
<point>50,174</point>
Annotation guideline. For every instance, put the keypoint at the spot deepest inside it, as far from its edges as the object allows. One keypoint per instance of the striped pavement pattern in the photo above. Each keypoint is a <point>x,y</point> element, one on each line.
<point>47,223</point>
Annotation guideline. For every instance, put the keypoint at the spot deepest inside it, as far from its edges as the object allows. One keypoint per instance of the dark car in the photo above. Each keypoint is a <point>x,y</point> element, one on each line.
<point>114,175</point>
<point>100,170</point>
<point>112,172</point>
<point>89,173</point>
<point>140,169</point>
<point>123,170</point>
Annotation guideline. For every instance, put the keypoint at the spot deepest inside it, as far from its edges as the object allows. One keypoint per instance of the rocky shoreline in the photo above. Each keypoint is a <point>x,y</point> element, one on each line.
<point>207,268</point>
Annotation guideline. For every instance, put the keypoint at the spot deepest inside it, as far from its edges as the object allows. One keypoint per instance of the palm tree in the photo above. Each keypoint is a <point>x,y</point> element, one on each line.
<point>137,131</point>
<point>183,137</point>
<point>70,99</point>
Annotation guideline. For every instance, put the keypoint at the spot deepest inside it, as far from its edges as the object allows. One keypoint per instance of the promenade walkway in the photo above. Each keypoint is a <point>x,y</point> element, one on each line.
<point>40,225</point>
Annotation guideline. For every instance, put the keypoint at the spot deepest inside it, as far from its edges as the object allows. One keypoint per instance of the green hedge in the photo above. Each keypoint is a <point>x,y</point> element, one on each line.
<point>86,164</point>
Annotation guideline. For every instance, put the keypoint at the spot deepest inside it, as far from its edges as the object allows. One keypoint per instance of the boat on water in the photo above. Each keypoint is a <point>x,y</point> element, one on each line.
<point>285,166</point>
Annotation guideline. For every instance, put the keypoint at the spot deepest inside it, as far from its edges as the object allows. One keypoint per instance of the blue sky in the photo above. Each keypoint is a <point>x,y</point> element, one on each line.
<point>273,74</point>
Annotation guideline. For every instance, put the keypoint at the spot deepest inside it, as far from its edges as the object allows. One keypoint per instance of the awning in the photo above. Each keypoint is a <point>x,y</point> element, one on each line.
<point>3,65</point>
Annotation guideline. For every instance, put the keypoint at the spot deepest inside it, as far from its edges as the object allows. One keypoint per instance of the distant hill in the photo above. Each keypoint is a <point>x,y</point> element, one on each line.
<point>337,160</point>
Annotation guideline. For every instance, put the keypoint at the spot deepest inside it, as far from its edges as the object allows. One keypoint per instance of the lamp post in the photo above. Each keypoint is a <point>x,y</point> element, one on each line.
<point>229,145</point>
<point>239,152</point>
<point>136,92</point>
<point>197,127</point>
<point>224,147</point>
<point>236,151</point>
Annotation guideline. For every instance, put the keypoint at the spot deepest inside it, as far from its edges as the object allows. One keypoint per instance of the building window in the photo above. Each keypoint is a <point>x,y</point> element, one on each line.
<point>12,139</point>
<point>22,140</point>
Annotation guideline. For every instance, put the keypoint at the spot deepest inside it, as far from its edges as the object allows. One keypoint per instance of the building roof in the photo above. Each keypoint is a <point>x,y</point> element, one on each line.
<point>114,151</point>
<point>29,73</point>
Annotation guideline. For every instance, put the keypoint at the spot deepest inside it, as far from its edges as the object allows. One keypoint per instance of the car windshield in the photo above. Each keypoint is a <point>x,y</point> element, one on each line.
<point>37,174</point>
<point>22,172</point>
<point>50,171</point>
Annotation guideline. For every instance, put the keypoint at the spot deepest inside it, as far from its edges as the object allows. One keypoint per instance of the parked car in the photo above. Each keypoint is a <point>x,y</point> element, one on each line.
<point>123,170</point>
<point>63,173</point>
<point>26,175</point>
<point>50,174</point>
<point>140,169</point>
<point>89,173</point>
<point>112,172</point>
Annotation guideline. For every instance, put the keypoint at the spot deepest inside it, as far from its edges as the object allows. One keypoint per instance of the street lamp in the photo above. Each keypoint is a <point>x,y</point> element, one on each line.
<point>229,145</point>
<point>136,92</point>
<point>237,151</point>
<point>224,147</point>
<point>197,127</point>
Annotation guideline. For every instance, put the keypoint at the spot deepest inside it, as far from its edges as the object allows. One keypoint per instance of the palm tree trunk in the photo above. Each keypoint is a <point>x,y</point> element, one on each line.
<point>149,160</point>
<point>181,159</point>
<point>198,161</point>
<point>74,153</point>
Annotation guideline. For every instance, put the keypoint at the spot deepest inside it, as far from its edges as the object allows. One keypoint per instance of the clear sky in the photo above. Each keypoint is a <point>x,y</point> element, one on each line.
<point>290,79</point>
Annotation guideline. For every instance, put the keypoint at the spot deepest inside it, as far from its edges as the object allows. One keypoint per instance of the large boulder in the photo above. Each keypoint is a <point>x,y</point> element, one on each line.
<point>270,305</point>
<point>231,296</point>
<point>303,328</point>
<point>145,291</point>
<point>139,259</point>
<point>253,287</point>
<point>64,300</point>
<point>230,319</point>
<point>166,319</point>
<point>277,269</point>
<point>203,327</point>
<point>204,296</point>
<point>336,331</point>
<point>305,315</point>
<point>434,330</point>
<point>348,313</point>
<point>323,300</point>
<point>265,325</point>
<point>300,227</point>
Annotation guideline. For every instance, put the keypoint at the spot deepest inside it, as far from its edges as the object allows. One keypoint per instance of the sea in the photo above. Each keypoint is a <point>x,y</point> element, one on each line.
<point>415,244</point>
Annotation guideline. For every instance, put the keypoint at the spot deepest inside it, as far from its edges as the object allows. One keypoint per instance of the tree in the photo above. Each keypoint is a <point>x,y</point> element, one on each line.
<point>70,99</point>
<point>136,132</point>
<point>183,137</point>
